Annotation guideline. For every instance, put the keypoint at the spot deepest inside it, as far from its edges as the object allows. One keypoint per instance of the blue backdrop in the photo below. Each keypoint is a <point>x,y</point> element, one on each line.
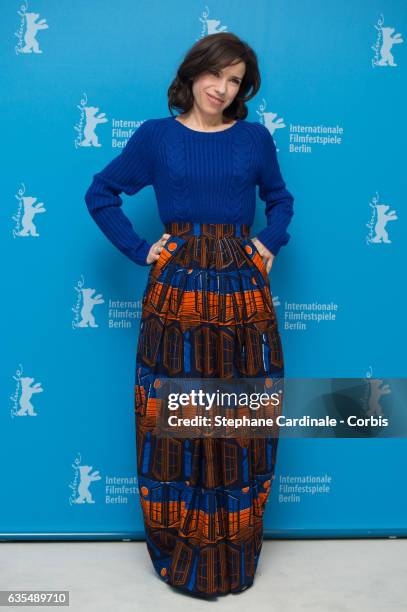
<point>77,80</point>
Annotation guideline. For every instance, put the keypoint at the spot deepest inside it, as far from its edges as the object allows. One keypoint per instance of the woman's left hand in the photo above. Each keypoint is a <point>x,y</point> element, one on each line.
<point>267,255</point>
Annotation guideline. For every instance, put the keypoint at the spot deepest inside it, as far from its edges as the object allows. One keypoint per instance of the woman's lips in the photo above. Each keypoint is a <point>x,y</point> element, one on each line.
<point>214,100</point>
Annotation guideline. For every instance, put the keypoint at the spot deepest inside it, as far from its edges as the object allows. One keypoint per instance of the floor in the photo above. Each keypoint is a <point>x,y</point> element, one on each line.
<point>293,575</point>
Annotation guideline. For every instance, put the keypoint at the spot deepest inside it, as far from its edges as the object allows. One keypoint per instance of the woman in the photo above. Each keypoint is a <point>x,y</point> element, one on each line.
<point>207,308</point>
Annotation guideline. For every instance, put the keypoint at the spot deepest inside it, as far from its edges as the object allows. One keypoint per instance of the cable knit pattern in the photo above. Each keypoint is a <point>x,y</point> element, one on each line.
<point>242,160</point>
<point>178,183</point>
<point>206,177</point>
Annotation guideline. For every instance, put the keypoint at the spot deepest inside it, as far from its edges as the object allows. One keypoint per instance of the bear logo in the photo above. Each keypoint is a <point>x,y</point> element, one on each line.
<point>31,43</point>
<point>29,213</point>
<point>377,389</point>
<point>380,226</point>
<point>270,124</point>
<point>26,407</point>
<point>212,25</point>
<point>92,120</point>
<point>386,56</point>
<point>87,318</point>
<point>86,478</point>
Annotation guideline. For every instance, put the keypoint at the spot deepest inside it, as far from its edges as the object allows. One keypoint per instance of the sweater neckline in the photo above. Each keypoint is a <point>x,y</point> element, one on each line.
<point>202,133</point>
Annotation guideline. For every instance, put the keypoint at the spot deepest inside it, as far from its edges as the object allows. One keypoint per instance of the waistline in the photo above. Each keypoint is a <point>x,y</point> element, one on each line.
<point>210,230</point>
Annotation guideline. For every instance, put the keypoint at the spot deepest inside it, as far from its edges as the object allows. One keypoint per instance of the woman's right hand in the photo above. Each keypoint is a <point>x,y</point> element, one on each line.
<point>156,248</point>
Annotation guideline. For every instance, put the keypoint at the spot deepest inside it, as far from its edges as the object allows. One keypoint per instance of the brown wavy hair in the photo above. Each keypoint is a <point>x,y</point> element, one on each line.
<point>216,51</point>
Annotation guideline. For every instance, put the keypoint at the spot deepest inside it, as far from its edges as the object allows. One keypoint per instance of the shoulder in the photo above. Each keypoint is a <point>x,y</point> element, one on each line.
<point>259,130</point>
<point>147,126</point>
<point>260,135</point>
<point>157,122</point>
<point>146,134</point>
<point>154,128</point>
<point>150,126</point>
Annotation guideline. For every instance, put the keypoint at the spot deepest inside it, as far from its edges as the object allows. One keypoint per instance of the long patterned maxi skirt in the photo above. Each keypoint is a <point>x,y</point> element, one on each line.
<point>207,311</point>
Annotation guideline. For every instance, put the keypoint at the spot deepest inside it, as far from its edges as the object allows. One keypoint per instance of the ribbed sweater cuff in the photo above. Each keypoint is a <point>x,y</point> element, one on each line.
<point>139,255</point>
<point>267,237</point>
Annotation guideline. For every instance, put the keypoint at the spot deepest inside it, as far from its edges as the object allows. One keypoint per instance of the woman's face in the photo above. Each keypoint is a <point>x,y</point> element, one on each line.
<point>214,90</point>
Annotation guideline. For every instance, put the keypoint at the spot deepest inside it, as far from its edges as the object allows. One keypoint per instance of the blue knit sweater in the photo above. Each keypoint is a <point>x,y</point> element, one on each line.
<point>207,177</point>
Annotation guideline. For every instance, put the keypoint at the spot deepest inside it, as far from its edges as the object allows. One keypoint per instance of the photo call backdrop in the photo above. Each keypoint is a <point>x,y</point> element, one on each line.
<point>77,81</point>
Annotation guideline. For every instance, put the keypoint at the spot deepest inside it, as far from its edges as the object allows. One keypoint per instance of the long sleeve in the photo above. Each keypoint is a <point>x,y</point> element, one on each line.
<point>272,190</point>
<point>129,172</point>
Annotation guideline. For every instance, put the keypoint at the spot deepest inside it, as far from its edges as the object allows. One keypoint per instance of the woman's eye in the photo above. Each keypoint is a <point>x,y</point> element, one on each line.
<point>216,72</point>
